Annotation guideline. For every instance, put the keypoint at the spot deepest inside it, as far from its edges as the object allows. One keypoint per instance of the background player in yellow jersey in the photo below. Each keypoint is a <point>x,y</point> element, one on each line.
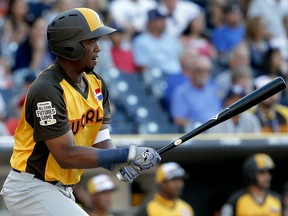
<point>256,199</point>
<point>170,182</point>
<point>101,188</point>
<point>67,113</point>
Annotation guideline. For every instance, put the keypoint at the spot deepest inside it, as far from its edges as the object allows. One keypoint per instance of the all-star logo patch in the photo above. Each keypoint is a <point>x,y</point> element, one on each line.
<point>46,112</point>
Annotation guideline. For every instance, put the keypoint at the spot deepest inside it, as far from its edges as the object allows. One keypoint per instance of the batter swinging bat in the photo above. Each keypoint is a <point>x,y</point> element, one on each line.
<point>239,106</point>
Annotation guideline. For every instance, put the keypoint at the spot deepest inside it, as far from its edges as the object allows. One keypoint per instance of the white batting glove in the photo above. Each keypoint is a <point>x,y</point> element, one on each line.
<point>143,157</point>
<point>128,173</point>
<point>139,158</point>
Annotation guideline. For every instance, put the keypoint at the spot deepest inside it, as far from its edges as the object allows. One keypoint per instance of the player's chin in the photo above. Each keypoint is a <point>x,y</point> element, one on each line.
<point>91,64</point>
<point>89,68</point>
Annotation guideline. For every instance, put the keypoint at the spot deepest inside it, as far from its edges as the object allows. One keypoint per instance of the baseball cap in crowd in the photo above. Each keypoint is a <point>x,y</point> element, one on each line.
<point>155,14</point>
<point>234,91</point>
<point>115,25</point>
<point>100,183</point>
<point>261,81</point>
<point>168,171</point>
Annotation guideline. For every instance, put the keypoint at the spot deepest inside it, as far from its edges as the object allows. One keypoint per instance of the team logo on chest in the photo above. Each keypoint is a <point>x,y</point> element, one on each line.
<point>98,94</point>
<point>89,117</point>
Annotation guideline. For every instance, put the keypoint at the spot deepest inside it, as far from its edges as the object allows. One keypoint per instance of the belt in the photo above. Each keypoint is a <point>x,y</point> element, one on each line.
<point>51,182</point>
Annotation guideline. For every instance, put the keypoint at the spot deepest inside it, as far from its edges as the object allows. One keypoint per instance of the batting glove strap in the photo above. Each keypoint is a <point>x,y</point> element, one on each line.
<point>143,157</point>
<point>132,153</point>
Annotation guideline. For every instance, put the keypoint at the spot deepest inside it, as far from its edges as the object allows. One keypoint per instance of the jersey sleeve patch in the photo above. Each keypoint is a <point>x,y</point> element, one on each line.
<point>46,113</point>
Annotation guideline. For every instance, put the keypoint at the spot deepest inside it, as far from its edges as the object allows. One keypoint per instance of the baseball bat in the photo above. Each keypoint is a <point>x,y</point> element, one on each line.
<point>234,109</point>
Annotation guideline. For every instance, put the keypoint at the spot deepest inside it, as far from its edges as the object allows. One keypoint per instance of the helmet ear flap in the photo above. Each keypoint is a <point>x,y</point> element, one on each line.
<point>249,172</point>
<point>74,52</point>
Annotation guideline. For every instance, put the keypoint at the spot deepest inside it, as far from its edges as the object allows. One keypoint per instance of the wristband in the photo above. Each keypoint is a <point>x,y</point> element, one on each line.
<point>102,135</point>
<point>107,157</point>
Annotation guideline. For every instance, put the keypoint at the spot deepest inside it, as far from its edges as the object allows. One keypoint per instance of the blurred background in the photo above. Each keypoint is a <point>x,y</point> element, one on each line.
<point>170,67</point>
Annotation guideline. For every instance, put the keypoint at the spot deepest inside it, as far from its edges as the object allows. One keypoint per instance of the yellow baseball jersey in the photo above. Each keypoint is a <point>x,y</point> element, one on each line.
<point>243,203</point>
<point>54,105</point>
<point>275,122</point>
<point>161,206</point>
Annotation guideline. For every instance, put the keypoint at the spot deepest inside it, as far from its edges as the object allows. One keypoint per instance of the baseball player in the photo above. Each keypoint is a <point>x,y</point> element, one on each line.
<point>256,199</point>
<point>170,181</point>
<point>67,113</point>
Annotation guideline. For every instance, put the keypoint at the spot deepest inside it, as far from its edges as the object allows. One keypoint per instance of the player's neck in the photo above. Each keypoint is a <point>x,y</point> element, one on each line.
<point>74,72</point>
<point>258,193</point>
<point>99,212</point>
<point>168,197</point>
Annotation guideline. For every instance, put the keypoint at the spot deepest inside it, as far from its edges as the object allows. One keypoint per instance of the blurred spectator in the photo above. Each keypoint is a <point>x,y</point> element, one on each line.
<point>194,37</point>
<point>237,58</point>
<point>281,42</point>
<point>172,82</point>
<point>131,15</point>
<point>178,14</point>
<point>244,5</point>
<point>16,27</point>
<point>60,6</point>
<point>121,51</point>
<point>3,108</point>
<point>257,41</point>
<point>155,49</point>
<point>245,122</point>
<point>104,61</point>
<point>241,76</point>
<point>273,63</point>
<point>170,182</point>
<point>3,130</point>
<point>272,115</point>
<point>33,53</point>
<point>101,189</point>
<point>256,198</point>
<point>20,98</point>
<point>229,35</point>
<point>273,12</point>
<point>4,4</point>
<point>101,6</point>
<point>214,13</point>
<point>6,80</point>
<point>38,8</point>
<point>16,104</point>
<point>194,101</point>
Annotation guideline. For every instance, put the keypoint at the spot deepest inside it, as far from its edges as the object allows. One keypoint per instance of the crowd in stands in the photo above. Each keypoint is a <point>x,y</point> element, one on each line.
<point>171,66</point>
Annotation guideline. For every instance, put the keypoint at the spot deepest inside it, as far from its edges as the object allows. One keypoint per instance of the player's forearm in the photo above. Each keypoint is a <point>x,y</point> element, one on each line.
<point>81,157</point>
